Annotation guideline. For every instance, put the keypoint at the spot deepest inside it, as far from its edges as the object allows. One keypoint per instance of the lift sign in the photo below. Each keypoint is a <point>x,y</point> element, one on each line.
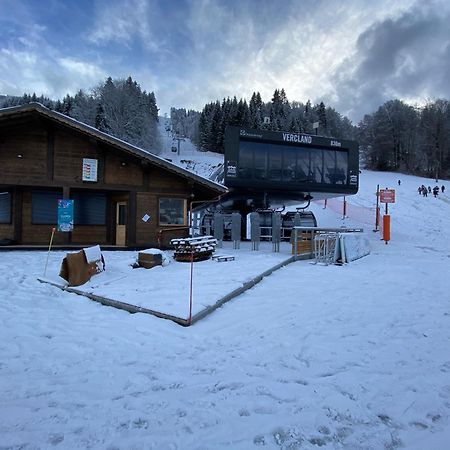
<point>387,195</point>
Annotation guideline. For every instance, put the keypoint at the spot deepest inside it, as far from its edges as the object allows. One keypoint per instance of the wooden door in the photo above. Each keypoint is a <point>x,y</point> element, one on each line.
<point>121,223</point>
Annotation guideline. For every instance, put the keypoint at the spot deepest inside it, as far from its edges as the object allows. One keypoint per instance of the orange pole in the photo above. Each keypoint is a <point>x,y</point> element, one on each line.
<point>386,228</point>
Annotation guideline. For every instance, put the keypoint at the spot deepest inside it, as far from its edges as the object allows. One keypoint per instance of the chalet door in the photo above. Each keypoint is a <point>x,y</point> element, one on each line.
<point>121,223</point>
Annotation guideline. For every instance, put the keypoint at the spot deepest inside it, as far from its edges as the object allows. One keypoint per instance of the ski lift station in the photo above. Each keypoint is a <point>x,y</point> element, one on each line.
<point>265,171</point>
<point>126,197</point>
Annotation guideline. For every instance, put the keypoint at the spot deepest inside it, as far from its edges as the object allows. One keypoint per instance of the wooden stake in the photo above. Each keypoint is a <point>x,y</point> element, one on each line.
<point>49,248</point>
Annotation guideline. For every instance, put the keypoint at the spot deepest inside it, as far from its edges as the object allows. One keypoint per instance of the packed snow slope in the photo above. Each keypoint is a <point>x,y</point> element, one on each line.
<point>351,357</point>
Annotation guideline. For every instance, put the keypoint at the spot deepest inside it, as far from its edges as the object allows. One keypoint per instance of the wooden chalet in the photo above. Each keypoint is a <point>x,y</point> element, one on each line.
<point>123,196</point>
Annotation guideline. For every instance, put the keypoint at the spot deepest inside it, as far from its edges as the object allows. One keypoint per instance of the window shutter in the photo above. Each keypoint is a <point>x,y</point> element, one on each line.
<point>5,207</point>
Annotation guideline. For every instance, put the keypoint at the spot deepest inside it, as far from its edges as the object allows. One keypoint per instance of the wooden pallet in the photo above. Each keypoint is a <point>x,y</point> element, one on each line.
<point>222,258</point>
<point>196,249</point>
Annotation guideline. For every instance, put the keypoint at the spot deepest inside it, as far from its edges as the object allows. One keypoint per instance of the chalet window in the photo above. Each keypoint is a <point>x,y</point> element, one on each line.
<point>5,207</point>
<point>89,208</point>
<point>172,211</point>
<point>44,207</point>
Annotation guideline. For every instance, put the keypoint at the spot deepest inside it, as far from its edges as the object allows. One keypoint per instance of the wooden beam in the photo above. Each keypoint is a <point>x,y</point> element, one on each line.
<point>17,214</point>
<point>50,153</point>
<point>131,219</point>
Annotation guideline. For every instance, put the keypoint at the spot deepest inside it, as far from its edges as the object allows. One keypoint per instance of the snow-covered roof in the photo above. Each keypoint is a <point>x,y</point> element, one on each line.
<point>116,142</point>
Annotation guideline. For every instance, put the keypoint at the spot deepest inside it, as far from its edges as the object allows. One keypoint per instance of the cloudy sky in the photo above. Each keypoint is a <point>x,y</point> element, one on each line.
<point>352,54</point>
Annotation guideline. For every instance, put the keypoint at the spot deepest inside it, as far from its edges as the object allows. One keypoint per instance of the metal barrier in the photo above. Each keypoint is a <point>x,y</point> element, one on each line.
<point>303,239</point>
<point>325,248</point>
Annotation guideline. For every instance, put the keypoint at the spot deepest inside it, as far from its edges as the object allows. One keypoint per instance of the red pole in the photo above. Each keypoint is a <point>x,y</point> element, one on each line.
<point>190,289</point>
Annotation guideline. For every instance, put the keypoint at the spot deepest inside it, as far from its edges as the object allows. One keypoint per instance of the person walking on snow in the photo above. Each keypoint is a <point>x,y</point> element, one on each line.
<point>436,191</point>
<point>399,182</point>
<point>443,188</point>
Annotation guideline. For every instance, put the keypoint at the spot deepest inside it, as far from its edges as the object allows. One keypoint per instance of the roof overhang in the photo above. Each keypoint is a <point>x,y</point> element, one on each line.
<point>144,155</point>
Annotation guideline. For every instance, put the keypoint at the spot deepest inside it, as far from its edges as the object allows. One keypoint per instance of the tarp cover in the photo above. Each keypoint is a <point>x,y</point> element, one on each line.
<point>356,245</point>
<point>76,269</point>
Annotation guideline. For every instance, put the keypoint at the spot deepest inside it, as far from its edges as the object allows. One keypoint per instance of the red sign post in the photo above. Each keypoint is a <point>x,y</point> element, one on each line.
<point>387,196</point>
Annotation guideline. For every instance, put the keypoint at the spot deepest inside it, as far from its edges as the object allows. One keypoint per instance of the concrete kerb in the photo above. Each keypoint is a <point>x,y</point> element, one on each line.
<point>246,286</point>
<point>118,304</point>
<point>184,322</point>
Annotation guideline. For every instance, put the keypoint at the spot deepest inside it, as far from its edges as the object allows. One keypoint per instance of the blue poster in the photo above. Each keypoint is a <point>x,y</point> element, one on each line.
<point>65,215</point>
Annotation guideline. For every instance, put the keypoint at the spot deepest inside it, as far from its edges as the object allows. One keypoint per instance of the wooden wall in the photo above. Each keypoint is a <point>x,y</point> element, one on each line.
<point>89,234</point>
<point>31,143</point>
<point>122,170</point>
<point>36,234</point>
<point>146,232</point>
<point>52,156</point>
<point>6,231</point>
<point>69,151</point>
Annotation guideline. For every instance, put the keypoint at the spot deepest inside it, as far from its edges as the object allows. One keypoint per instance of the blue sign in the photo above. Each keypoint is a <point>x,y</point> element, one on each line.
<point>65,215</point>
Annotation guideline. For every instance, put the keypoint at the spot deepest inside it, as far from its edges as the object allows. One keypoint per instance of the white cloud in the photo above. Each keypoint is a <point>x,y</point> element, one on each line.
<point>83,69</point>
<point>24,71</point>
<point>236,52</point>
<point>196,52</point>
<point>122,22</point>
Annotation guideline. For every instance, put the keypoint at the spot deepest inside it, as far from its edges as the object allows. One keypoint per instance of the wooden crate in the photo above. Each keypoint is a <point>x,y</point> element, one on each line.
<point>304,244</point>
<point>149,260</point>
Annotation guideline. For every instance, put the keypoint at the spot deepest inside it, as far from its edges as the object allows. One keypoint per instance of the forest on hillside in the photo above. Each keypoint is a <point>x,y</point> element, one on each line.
<point>117,107</point>
<point>395,137</point>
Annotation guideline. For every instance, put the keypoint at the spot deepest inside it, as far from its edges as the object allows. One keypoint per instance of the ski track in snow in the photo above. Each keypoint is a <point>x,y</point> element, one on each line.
<point>352,357</point>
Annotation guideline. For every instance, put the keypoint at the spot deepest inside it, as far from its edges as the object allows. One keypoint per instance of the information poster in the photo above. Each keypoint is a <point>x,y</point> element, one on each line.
<point>65,215</point>
<point>89,169</point>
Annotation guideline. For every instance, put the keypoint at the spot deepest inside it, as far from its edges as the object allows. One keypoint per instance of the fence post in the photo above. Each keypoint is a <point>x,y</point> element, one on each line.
<point>377,212</point>
<point>344,209</point>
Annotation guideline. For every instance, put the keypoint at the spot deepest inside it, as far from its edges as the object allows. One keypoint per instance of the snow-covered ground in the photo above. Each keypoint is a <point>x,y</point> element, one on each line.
<point>353,357</point>
<point>166,288</point>
<point>205,164</point>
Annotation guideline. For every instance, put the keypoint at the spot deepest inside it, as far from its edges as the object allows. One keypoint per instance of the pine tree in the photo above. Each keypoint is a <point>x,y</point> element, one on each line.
<point>322,115</point>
